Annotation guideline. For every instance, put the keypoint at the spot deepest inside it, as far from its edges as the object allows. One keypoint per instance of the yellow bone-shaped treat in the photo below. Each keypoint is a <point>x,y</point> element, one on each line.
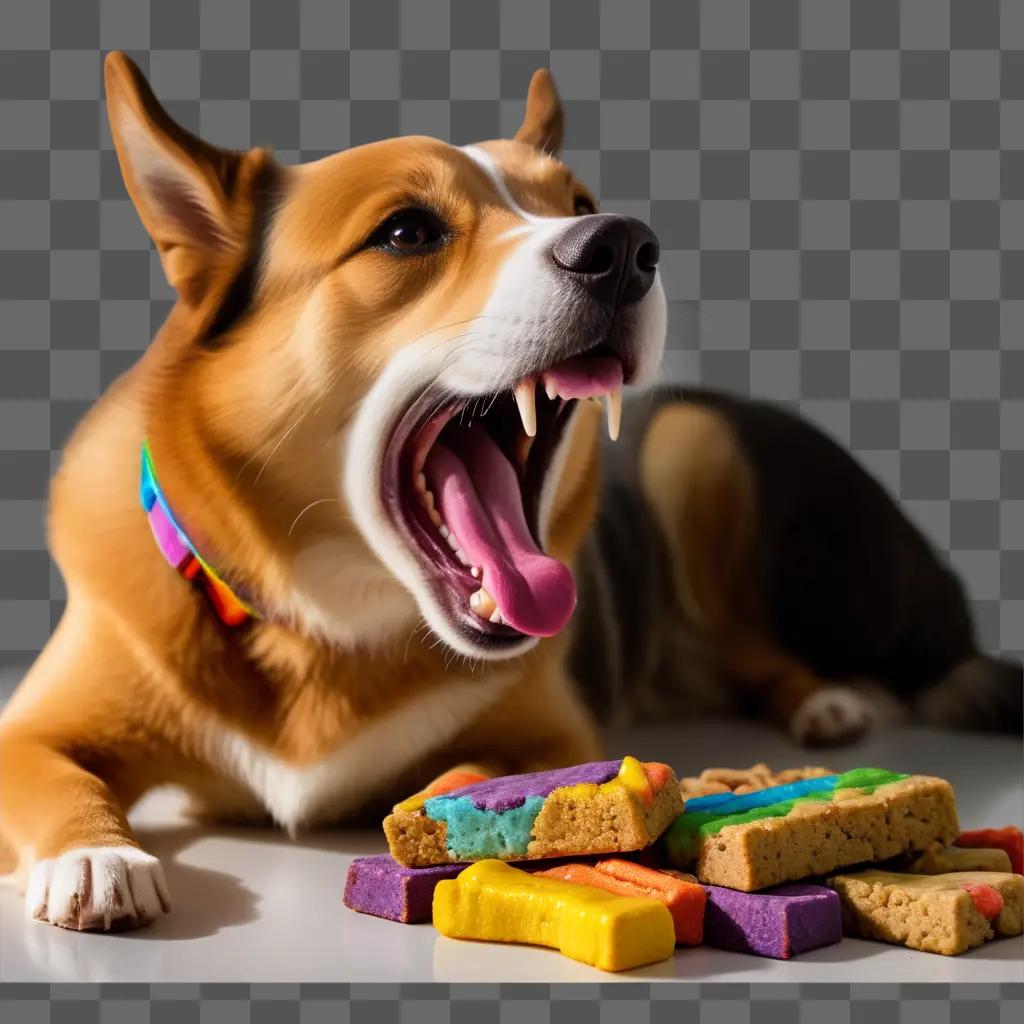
<point>492,901</point>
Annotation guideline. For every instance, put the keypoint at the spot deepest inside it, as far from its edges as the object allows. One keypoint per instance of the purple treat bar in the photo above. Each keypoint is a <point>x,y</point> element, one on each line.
<point>384,888</point>
<point>510,791</point>
<point>780,922</point>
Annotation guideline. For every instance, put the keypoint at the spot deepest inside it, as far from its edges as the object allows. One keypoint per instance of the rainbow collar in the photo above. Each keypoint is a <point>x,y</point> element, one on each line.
<point>179,551</point>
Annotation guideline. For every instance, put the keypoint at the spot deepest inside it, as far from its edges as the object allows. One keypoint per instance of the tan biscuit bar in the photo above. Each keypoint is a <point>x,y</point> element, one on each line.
<point>814,836</point>
<point>940,860</point>
<point>945,914</point>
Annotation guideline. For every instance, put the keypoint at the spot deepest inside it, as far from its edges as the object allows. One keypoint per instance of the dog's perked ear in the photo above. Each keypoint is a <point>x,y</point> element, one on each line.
<point>542,122</point>
<point>194,199</point>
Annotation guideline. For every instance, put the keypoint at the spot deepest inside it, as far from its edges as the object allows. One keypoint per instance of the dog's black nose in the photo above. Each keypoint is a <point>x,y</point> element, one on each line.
<point>613,257</point>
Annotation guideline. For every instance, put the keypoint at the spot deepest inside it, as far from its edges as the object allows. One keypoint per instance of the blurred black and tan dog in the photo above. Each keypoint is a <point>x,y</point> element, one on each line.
<point>747,558</point>
<point>366,452</point>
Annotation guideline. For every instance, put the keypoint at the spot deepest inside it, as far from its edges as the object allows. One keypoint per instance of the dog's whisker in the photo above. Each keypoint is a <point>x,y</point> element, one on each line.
<point>312,504</point>
<point>284,437</point>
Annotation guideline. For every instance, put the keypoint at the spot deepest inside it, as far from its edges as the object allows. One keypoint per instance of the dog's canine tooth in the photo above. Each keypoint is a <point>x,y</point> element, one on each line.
<point>526,400</point>
<point>523,446</point>
<point>614,409</point>
<point>483,604</point>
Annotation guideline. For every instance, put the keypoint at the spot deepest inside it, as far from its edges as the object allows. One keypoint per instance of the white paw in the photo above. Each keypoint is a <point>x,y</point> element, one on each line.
<point>97,888</point>
<point>833,715</point>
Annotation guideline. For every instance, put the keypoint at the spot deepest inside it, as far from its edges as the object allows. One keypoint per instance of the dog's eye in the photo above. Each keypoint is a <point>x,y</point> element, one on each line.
<point>583,206</point>
<point>409,232</point>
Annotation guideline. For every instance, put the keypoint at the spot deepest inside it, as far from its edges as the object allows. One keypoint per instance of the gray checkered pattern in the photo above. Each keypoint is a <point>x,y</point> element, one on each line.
<point>619,1003</point>
<point>838,187</point>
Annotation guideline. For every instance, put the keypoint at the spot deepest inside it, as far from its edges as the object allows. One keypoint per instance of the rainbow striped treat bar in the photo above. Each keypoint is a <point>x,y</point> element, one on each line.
<point>810,827</point>
<point>601,807</point>
<point>946,914</point>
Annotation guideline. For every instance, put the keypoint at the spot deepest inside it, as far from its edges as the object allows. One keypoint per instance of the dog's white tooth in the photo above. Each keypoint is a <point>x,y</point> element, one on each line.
<point>550,388</point>
<point>496,617</point>
<point>614,410</point>
<point>443,530</point>
<point>523,446</point>
<point>453,541</point>
<point>474,571</point>
<point>482,603</point>
<point>461,556</point>
<point>421,483</point>
<point>526,399</point>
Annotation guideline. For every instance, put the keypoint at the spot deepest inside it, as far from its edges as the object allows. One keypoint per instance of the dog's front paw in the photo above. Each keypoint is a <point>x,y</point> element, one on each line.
<point>97,889</point>
<point>831,716</point>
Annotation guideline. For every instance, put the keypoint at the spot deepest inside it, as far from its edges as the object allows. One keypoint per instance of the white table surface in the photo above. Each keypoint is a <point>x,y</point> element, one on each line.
<point>253,905</point>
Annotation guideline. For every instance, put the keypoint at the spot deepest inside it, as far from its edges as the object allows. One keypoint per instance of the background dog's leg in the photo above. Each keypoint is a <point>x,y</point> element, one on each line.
<point>701,490</point>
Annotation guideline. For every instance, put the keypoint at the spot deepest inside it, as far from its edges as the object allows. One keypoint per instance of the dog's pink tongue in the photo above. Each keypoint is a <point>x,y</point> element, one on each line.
<point>477,493</point>
<point>584,376</point>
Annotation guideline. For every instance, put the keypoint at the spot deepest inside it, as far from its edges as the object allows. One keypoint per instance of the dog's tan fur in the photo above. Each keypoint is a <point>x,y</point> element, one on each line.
<point>139,674</point>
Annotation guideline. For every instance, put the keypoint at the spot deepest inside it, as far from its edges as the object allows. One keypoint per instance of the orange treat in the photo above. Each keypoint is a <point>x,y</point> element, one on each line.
<point>684,900</point>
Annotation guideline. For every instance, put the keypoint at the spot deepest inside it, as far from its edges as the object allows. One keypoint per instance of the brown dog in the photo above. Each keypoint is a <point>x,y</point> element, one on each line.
<point>313,407</point>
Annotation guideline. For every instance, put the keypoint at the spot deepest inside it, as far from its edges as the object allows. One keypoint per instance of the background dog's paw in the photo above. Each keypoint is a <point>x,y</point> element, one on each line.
<point>98,889</point>
<point>831,716</point>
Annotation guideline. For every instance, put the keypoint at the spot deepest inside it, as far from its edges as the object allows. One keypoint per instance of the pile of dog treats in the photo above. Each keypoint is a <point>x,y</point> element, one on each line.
<point>607,864</point>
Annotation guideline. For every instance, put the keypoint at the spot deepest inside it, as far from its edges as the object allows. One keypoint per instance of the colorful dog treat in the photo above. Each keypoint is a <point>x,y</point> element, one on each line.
<point>493,901</point>
<point>1010,839</point>
<point>940,860</point>
<point>384,888</point>
<point>780,923</point>
<point>810,827</point>
<point>602,807</point>
<point>935,913</point>
<point>684,900</point>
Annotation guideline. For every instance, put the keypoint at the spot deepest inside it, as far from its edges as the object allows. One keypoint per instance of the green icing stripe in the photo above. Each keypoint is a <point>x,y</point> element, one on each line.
<point>683,837</point>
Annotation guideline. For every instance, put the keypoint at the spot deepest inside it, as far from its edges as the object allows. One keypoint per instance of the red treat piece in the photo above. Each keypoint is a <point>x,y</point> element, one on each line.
<point>989,901</point>
<point>1010,839</point>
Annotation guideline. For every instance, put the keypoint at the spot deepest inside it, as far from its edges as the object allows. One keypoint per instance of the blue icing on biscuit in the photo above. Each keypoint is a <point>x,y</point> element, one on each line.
<point>730,803</point>
<point>475,833</point>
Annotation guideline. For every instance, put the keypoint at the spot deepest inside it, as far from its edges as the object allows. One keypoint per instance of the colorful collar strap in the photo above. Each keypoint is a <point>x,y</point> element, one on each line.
<point>179,551</point>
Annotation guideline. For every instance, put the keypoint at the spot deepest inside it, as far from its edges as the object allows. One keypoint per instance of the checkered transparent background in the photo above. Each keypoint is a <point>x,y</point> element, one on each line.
<point>838,188</point>
<point>618,1003</point>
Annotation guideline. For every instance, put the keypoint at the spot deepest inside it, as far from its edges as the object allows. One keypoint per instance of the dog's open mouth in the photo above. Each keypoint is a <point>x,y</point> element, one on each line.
<point>463,481</point>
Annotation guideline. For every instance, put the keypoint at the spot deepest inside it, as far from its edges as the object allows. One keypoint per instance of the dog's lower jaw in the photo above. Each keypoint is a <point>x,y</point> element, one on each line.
<point>98,889</point>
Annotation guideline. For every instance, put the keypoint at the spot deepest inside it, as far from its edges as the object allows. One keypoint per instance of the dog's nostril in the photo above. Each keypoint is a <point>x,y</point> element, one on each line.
<point>602,259</point>
<point>647,256</point>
